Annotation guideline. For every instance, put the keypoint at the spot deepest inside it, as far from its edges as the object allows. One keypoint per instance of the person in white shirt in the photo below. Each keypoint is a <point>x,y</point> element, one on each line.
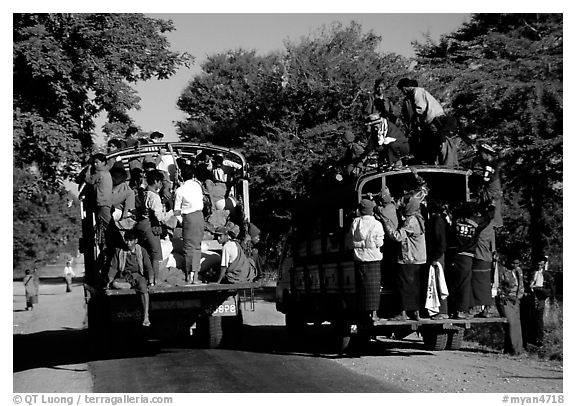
<point>368,236</point>
<point>68,275</point>
<point>189,202</point>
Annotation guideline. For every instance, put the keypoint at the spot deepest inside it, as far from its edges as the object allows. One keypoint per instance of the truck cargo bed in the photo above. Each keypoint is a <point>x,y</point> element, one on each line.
<point>207,287</point>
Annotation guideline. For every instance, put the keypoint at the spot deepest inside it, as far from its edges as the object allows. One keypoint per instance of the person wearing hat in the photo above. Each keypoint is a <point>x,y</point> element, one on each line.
<point>367,236</point>
<point>431,124</point>
<point>490,192</point>
<point>386,139</point>
<point>250,246</point>
<point>411,258</point>
<point>235,266</point>
<point>352,155</point>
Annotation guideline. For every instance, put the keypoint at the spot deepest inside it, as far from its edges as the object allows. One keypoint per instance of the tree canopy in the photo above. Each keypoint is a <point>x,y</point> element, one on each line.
<point>68,68</point>
<point>286,110</point>
<point>499,73</point>
<point>504,73</point>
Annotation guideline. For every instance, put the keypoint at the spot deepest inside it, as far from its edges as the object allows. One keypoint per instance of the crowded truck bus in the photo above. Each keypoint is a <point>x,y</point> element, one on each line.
<point>317,274</point>
<point>210,312</point>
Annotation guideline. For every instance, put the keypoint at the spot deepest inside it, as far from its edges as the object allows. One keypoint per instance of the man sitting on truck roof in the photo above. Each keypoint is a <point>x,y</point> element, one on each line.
<point>128,268</point>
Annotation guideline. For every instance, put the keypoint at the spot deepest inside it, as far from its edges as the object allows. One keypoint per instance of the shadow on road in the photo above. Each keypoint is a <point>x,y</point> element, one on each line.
<point>48,349</point>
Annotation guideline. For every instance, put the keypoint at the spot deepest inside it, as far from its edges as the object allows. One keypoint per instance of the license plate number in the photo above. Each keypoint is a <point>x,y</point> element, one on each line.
<point>228,308</point>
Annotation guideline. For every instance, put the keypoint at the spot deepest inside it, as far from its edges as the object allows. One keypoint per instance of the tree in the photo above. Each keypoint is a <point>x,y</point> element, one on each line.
<point>286,110</point>
<point>70,67</point>
<point>504,73</point>
<point>67,68</point>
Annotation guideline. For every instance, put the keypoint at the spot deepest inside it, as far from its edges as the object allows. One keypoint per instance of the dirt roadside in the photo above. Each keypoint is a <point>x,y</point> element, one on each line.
<point>56,311</point>
<point>403,363</point>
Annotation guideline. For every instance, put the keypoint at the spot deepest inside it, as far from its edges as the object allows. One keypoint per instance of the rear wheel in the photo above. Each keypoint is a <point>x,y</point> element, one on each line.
<point>455,340</point>
<point>435,341</point>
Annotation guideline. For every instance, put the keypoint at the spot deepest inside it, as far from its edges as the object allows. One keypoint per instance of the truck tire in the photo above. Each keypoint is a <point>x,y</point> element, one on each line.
<point>210,332</point>
<point>455,340</point>
<point>435,341</point>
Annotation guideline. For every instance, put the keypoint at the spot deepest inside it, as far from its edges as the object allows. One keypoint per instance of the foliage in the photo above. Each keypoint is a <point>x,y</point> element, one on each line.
<point>68,68</point>
<point>500,74</point>
<point>45,224</point>
<point>286,110</point>
<point>503,72</point>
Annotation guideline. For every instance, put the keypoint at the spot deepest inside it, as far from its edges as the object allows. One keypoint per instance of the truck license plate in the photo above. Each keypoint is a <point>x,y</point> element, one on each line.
<point>227,308</point>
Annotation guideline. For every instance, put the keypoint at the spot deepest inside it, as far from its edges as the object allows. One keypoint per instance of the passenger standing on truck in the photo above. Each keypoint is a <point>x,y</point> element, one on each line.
<point>189,204</point>
<point>386,210</point>
<point>129,268</point>
<point>484,250</point>
<point>235,266</point>
<point>490,191</point>
<point>466,227</point>
<point>510,292</point>
<point>367,236</point>
<point>436,244</point>
<point>130,137</point>
<point>434,125</point>
<point>411,257</point>
<point>379,103</point>
<point>99,176</point>
<point>151,215</point>
<point>352,155</point>
<point>387,140</point>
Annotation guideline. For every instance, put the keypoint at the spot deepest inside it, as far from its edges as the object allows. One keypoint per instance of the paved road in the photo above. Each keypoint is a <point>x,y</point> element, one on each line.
<point>52,354</point>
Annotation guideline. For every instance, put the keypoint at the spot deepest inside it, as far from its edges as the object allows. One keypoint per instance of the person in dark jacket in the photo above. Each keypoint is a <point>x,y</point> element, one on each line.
<point>411,257</point>
<point>510,292</point>
<point>379,103</point>
<point>386,211</point>
<point>131,268</point>
<point>352,155</point>
<point>466,228</point>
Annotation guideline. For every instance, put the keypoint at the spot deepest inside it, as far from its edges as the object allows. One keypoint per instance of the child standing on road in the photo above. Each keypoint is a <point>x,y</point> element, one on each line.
<point>68,275</point>
<point>31,289</point>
